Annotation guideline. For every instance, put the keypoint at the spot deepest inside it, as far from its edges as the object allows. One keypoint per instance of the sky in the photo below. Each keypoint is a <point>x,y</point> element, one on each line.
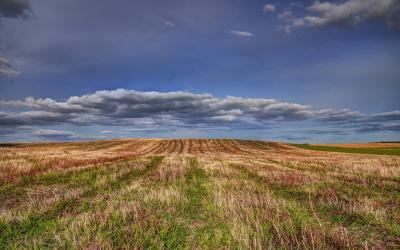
<point>297,71</point>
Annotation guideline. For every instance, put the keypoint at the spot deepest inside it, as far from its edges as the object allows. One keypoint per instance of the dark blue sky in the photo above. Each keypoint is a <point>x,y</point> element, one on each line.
<point>341,56</point>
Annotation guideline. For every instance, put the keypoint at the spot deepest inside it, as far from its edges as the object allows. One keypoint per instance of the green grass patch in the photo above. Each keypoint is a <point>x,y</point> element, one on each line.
<point>374,151</point>
<point>208,229</point>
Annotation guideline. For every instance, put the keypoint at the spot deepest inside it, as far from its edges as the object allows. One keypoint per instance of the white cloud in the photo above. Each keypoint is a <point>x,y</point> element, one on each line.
<point>347,13</point>
<point>269,8</point>
<point>6,68</point>
<point>241,33</point>
<point>9,72</point>
<point>106,132</point>
<point>169,24</point>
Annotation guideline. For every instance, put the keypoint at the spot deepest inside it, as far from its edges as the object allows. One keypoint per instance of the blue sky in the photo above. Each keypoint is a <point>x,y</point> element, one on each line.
<point>300,71</point>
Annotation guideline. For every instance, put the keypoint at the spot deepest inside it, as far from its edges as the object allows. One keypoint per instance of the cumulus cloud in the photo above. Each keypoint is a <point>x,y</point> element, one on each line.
<point>148,108</point>
<point>269,8</point>
<point>347,13</point>
<point>174,110</point>
<point>14,8</point>
<point>241,33</point>
<point>6,68</point>
<point>27,118</point>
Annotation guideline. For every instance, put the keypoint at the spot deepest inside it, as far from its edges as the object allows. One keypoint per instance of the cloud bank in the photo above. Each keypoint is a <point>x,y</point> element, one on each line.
<point>154,111</point>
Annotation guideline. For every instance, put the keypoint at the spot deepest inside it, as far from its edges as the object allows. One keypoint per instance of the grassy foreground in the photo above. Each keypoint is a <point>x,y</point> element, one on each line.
<point>196,194</point>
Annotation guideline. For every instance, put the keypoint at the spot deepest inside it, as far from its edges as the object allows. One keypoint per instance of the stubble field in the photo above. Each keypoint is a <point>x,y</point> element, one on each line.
<point>196,194</point>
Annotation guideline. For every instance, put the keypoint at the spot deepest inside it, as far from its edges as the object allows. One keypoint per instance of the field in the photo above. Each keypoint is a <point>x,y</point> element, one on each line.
<point>196,194</point>
<point>369,148</point>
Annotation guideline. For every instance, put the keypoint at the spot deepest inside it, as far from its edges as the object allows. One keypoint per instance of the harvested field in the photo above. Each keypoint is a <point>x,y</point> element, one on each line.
<point>196,194</point>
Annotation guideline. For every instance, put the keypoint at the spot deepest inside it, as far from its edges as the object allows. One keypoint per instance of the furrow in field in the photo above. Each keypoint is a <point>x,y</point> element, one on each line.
<point>152,147</point>
<point>180,146</point>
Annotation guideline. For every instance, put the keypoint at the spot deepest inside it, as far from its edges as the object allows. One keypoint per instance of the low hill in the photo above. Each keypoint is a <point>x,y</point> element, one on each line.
<point>160,146</point>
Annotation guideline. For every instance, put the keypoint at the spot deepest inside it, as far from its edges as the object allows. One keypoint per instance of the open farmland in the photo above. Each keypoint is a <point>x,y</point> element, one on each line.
<point>368,148</point>
<point>196,194</point>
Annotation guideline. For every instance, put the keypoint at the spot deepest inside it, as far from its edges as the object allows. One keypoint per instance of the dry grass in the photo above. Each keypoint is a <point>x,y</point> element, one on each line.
<point>196,194</point>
